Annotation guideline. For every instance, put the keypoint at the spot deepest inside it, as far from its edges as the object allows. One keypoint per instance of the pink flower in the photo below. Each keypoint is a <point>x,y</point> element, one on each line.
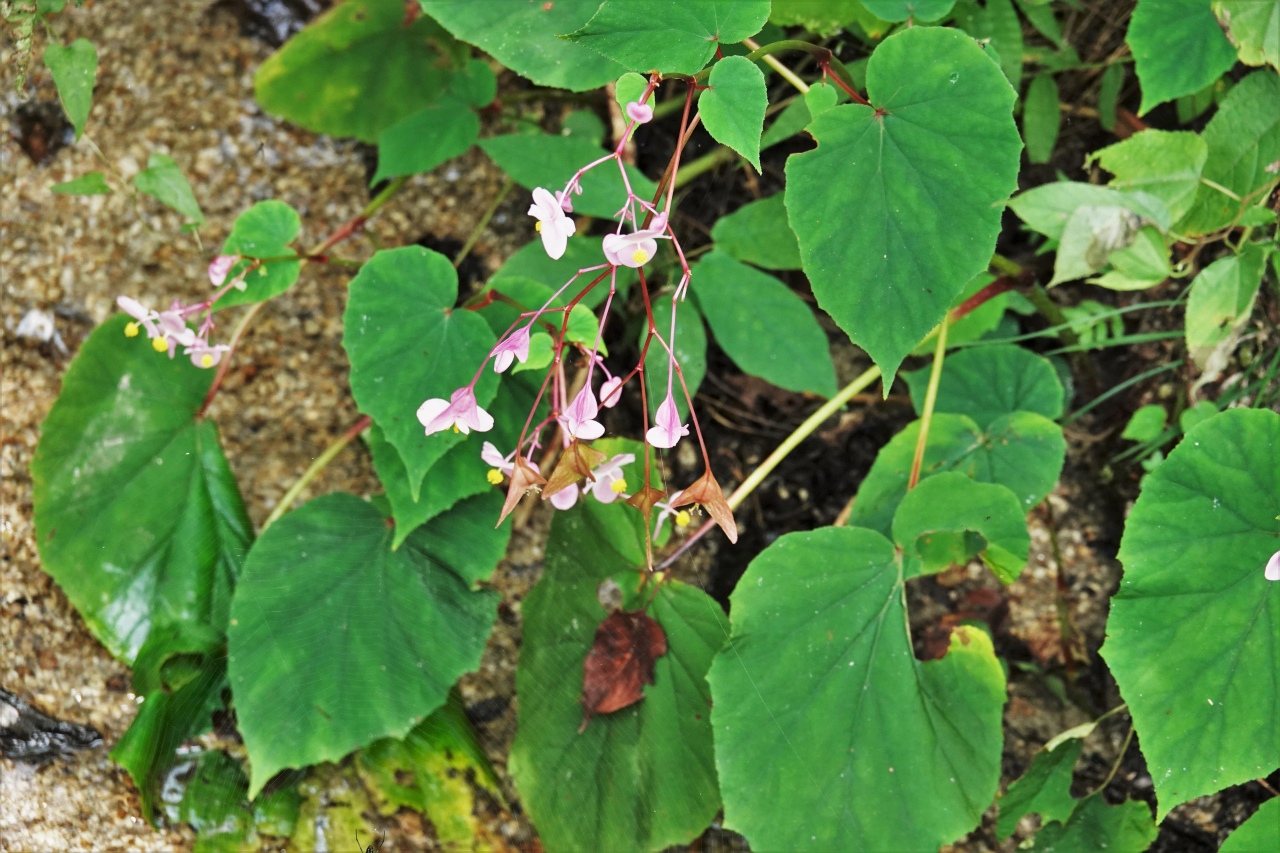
<point>580,417</point>
<point>514,347</point>
<point>666,510</point>
<point>493,457</point>
<point>1272,571</point>
<point>460,412</point>
<point>667,429</point>
<point>143,316</point>
<point>565,200</point>
<point>219,267</point>
<point>553,225</point>
<point>635,249</point>
<point>565,498</point>
<point>611,392</point>
<point>609,474</point>
<point>204,355</point>
<point>639,113</point>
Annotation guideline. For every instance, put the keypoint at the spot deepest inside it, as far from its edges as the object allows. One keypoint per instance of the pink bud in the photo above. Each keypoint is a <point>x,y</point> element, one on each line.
<point>639,113</point>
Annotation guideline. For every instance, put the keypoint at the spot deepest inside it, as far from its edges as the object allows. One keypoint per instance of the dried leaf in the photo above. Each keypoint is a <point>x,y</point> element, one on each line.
<point>575,463</point>
<point>620,663</point>
<point>706,492</point>
<point>523,478</point>
<point>644,499</point>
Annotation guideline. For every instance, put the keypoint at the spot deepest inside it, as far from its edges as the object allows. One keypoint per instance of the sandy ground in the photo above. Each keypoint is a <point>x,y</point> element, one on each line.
<point>175,78</point>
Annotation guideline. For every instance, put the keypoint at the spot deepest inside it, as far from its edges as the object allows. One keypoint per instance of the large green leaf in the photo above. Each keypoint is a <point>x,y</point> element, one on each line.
<point>74,69</point>
<point>820,16</point>
<point>265,230</point>
<point>408,344</point>
<point>733,108</point>
<point>640,778</point>
<point>671,36</point>
<point>1049,208</point>
<point>336,640</point>
<point>355,71</point>
<point>988,382</point>
<point>1095,825</point>
<point>1194,631</point>
<point>1178,49</point>
<point>1220,302</point>
<point>830,735</point>
<point>1244,140</point>
<point>525,38</point>
<point>897,208</point>
<point>901,10</point>
<point>763,325</point>
<point>137,514</point>
<point>1166,164</point>
<point>997,24</point>
<point>550,161</point>
<point>1259,832</point>
<point>758,233</point>
<point>1022,451</point>
<point>1253,26</point>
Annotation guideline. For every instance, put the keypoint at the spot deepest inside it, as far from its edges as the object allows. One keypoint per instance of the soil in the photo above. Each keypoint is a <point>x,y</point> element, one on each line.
<point>177,78</point>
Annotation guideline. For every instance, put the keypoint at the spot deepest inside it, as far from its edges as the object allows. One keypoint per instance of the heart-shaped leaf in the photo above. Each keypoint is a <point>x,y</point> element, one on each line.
<point>1191,637</point>
<point>733,108</point>
<point>763,326</point>
<point>137,514</point>
<point>1178,49</point>
<point>164,181</point>
<point>671,36</point>
<point>93,183</point>
<point>74,69</point>
<point>924,169</point>
<point>908,754</point>
<point>264,231</point>
<point>525,38</point>
<point>408,344</point>
<point>1165,164</point>
<point>1022,451</point>
<point>986,383</point>
<point>641,778</point>
<point>336,640</point>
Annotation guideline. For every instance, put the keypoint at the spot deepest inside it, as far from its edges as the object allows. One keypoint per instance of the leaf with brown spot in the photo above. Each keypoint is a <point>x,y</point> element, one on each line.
<point>620,663</point>
<point>575,463</point>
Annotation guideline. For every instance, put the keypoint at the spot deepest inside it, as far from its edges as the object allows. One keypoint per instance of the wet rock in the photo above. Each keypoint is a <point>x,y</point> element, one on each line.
<point>28,734</point>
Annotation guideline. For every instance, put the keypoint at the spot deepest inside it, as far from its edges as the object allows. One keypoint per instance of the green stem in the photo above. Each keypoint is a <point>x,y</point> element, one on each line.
<point>713,158</point>
<point>314,470</point>
<point>930,398</point>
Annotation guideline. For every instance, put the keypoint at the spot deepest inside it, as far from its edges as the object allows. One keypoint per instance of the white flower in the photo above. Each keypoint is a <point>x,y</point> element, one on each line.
<point>553,225</point>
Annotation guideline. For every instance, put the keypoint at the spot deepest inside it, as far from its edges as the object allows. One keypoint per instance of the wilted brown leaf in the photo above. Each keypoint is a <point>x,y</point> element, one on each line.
<point>575,463</point>
<point>620,663</point>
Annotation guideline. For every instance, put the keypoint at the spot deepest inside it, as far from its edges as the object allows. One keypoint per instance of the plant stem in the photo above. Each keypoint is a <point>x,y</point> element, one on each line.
<point>783,71</point>
<point>313,471</point>
<point>484,221</point>
<point>1115,768</point>
<point>930,398</point>
<point>225,364</point>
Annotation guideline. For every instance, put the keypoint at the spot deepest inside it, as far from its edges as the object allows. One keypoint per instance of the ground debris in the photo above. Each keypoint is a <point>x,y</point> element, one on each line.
<point>28,734</point>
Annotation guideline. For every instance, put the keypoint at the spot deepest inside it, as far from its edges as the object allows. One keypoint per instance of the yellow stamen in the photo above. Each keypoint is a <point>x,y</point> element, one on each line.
<point>131,330</point>
<point>659,576</point>
<point>494,476</point>
<point>640,256</point>
<point>537,226</point>
<point>618,486</point>
<point>456,430</point>
<point>160,344</point>
<point>683,518</point>
<point>206,360</point>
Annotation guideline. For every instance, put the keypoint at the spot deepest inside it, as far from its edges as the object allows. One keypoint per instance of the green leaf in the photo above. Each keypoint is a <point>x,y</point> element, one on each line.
<point>163,181</point>
<point>1260,832</point>
<point>671,36</point>
<point>1049,208</point>
<point>1022,451</point>
<point>438,770</point>
<point>820,16</point>
<point>424,140</point>
<point>996,23</point>
<point>691,354</point>
<point>74,69</point>
<point>408,344</point>
<point>1196,415</point>
<point>1045,789</point>
<point>988,382</point>
<point>1191,638</point>
<point>949,519</point>
<point>916,10</point>
<point>1109,96</point>
<point>1165,164</point>
<point>213,802</point>
<point>532,261</point>
<point>550,161</point>
<point>525,38</point>
<point>938,145</point>
<point>758,233</point>
<point>181,672</point>
<point>733,108</point>
<point>1142,264</point>
<point>475,83</point>
<point>137,514</point>
<point>1094,825</point>
<point>1041,117</point>
<point>1090,237</point>
<point>640,778</point>
<point>629,88</point>
<point>1146,424</point>
<point>1244,140</point>
<point>263,231</point>
<point>1253,26</point>
<point>336,640</point>
<point>899,732</point>
<point>1178,49</point>
<point>355,71</point>
<point>1221,301</point>
<point>94,183</point>
<point>763,325</point>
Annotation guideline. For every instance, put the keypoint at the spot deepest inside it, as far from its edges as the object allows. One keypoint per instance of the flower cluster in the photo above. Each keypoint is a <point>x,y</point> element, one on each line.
<point>168,330</point>
<point>574,414</point>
